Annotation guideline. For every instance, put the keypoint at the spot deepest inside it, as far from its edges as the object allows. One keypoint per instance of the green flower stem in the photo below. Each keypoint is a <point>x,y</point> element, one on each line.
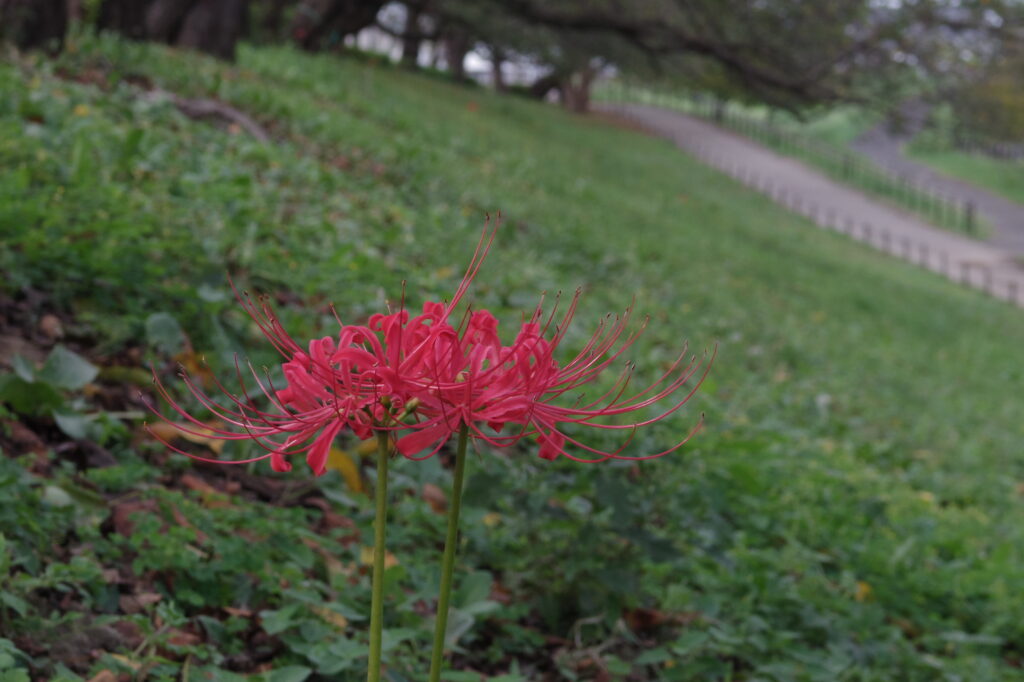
<point>448,562</point>
<point>379,525</point>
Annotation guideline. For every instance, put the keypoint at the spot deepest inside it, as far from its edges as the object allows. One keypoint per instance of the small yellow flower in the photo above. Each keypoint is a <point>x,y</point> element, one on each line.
<point>863,592</point>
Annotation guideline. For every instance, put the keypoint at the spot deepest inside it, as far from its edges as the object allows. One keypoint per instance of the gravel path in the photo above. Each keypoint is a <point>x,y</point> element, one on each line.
<point>836,206</point>
<point>1006,217</point>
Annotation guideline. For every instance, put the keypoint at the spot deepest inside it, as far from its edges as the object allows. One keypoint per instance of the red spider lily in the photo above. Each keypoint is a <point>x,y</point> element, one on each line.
<point>481,382</point>
<point>397,366</point>
<point>327,391</point>
<point>363,382</point>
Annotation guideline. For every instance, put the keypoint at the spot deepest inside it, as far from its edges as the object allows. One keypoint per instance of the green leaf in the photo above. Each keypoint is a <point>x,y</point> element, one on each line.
<point>689,642</point>
<point>653,656</point>
<point>459,623</point>
<point>479,608</point>
<point>290,673</point>
<point>55,496</point>
<point>17,604</point>
<point>333,655</point>
<point>460,676</point>
<point>475,587</point>
<point>277,621</point>
<point>617,667</point>
<point>73,425</point>
<point>212,674</point>
<point>65,369</point>
<point>27,397</point>
<point>395,636</point>
<point>334,495</point>
<point>164,333</point>
<point>23,368</point>
<point>211,294</point>
<point>86,499</point>
<point>14,675</point>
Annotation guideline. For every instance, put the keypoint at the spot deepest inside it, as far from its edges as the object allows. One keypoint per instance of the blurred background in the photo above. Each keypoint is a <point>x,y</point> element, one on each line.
<point>853,508</point>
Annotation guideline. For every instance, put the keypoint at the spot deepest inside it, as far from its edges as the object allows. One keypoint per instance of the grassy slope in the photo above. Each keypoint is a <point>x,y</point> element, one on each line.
<point>822,141</point>
<point>999,176</point>
<point>852,510</point>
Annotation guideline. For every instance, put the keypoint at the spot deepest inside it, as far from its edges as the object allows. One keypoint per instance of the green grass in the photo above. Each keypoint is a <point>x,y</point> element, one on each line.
<point>840,125</point>
<point>852,510</point>
<point>999,176</point>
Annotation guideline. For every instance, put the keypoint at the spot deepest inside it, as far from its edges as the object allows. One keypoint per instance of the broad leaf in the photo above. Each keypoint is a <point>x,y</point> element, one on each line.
<point>65,369</point>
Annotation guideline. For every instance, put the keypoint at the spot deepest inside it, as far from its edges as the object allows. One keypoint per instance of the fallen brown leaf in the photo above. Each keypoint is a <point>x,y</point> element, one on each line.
<point>340,461</point>
<point>367,553</point>
<point>183,638</point>
<point>122,512</point>
<point>194,434</point>
<point>136,603</point>
<point>212,497</point>
<point>335,566</point>
<point>130,634</point>
<point>435,497</point>
<point>641,619</point>
<point>330,616</point>
<point>103,676</point>
<point>23,438</point>
<point>193,482</point>
<point>127,662</point>
<point>195,367</point>
<point>50,327</point>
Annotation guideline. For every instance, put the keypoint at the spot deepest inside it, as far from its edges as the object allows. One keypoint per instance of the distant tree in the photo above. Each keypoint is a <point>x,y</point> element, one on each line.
<point>34,23</point>
<point>456,44</point>
<point>789,52</point>
<point>126,17</point>
<point>412,35</point>
<point>992,106</point>
<point>322,23</point>
<point>212,26</point>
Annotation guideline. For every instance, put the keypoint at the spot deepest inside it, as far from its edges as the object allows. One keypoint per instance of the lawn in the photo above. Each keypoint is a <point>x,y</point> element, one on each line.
<point>852,510</point>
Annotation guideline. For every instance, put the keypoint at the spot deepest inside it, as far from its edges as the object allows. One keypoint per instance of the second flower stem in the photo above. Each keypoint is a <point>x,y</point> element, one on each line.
<point>379,555</point>
<point>448,562</point>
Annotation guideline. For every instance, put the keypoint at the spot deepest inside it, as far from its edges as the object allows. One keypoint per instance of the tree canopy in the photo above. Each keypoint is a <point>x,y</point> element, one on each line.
<point>787,52</point>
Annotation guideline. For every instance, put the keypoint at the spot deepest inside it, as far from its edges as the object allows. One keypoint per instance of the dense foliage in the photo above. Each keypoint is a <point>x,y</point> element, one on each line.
<point>852,511</point>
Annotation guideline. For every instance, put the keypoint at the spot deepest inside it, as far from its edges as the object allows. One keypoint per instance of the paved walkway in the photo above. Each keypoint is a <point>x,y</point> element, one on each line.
<point>1006,217</point>
<point>833,205</point>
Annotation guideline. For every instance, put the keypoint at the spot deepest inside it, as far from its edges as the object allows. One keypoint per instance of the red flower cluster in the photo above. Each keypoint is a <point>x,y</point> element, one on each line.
<point>422,379</point>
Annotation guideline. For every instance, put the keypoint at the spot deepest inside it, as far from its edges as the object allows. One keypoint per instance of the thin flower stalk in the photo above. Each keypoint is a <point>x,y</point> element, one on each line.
<point>415,381</point>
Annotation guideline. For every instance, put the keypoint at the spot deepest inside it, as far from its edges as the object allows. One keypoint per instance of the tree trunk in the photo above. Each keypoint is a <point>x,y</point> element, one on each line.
<point>576,90</point>
<point>34,23</point>
<point>214,27</point>
<point>273,20</point>
<point>545,84</point>
<point>164,19</point>
<point>410,39</point>
<point>126,17</point>
<point>456,47</point>
<point>211,26</point>
<point>316,20</point>
<point>497,59</point>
